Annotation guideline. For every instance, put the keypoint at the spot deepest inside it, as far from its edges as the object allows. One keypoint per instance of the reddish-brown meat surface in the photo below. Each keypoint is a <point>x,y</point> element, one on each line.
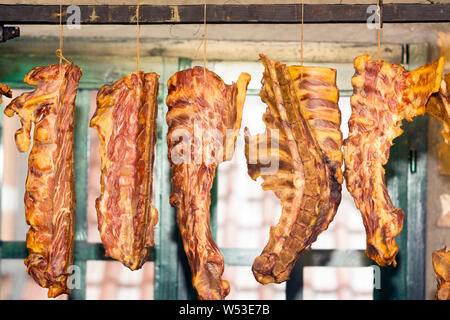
<point>438,106</point>
<point>441,265</point>
<point>5,91</point>
<point>299,158</point>
<point>125,120</point>
<point>383,95</point>
<point>50,192</point>
<point>204,119</point>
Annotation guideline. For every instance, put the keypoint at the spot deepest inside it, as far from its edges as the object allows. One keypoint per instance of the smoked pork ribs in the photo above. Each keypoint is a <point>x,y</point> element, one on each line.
<point>438,106</point>
<point>125,120</point>
<point>299,158</point>
<point>50,184</point>
<point>5,91</point>
<point>204,118</point>
<point>383,95</point>
<point>441,265</point>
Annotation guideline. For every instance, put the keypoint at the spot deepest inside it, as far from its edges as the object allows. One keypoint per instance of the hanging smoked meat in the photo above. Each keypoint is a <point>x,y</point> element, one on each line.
<point>5,91</point>
<point>299,158</point>
<point>125,120</point>
<point>438,106</point>
<point>383,95</point>
<point>50,185</point>
<point>441,265</point>
<point>204,119</point>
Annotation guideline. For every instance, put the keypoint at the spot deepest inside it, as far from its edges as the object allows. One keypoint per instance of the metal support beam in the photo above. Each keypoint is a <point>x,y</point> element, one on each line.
<point>223,14</point>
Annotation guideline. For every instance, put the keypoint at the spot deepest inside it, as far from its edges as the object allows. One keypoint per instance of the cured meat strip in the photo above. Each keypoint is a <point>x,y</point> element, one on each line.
<point>299,158</point>
<point>5,91</point>
<point>438,106</point>
<point>50,185</point>
<point>441,265</point>
<point>125,120</point>
<point>383,95</point>
<point>204,119</point>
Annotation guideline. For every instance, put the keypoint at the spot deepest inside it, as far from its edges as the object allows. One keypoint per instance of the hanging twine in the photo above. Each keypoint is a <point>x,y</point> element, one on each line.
<point>204,38</point>
<point>301,38</point>
<point>138,37</point>
<point>380,17</point>
<point>59,51</point>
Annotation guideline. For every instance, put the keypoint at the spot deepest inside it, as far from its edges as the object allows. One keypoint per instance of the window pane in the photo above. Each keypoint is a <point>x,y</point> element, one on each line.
<point>14,173</point>
<point>337,283</point>
<point>110,280</point>
<point>16,284</point>
<point>244,286</point>
<point>245,211</point>
<point>230,71</point>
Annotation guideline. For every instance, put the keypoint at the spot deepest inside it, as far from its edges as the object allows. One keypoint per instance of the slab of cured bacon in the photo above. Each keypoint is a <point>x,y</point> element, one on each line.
<point>441,265</point>
<point>383,95</point>
<point>125,120</point>
<point>50,185</point>
<point>204,119</point>
<point>5,91</point>
<point>438,106</point>
<point>299,158</point>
